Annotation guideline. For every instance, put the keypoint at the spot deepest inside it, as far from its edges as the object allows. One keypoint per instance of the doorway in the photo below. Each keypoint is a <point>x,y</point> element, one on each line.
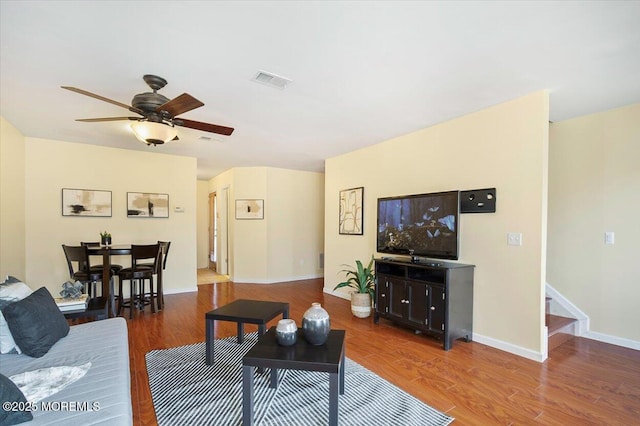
<point>218,231</point>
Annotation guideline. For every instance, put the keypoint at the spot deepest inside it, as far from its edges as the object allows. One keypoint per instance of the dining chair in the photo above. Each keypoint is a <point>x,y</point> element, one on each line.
<point>138,274</point>
<point>159,296</point>
<point>78,264</point>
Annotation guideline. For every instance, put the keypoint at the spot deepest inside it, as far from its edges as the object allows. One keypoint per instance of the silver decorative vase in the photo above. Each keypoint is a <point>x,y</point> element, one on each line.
<point>316,324</point>
<point>286,332</point>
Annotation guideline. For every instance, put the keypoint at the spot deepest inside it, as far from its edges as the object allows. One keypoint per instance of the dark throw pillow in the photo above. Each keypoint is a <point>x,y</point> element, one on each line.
<point>13,403</point>
<point>36,323</point>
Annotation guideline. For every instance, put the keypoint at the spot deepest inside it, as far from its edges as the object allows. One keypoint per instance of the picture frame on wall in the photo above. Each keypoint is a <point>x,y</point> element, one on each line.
<point>147,205</point>
<point>250,209</point>
<point>86,202</point>
<point>350,215</point>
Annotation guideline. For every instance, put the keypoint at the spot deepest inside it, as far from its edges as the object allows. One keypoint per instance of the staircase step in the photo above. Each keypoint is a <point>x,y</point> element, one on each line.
<point>559,329</point>
<point>557,323</point>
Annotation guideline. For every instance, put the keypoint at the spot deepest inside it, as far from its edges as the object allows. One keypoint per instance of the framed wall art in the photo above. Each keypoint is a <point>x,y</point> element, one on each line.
<point>250,209</point>
<point>86,202</point>
<point>350,216</point>
<point>145,204</point>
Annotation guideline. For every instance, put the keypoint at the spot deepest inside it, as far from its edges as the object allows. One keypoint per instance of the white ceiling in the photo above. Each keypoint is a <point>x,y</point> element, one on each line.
<point>362,72</point>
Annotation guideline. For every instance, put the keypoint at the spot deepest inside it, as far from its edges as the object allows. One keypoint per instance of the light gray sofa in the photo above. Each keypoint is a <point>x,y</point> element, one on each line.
<point>103,395</point>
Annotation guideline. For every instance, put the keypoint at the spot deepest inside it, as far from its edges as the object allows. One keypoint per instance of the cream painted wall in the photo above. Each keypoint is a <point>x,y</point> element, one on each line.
<point>286,244</point>
<point>504,146</point>
<point>53,165</point>
<point>202,227</point>
<point>594,175</point>
<point>296,224</point>
<point>12,175</point>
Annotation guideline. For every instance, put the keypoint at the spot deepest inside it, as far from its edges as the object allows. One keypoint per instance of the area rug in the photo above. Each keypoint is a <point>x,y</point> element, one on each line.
<point>186,391</point>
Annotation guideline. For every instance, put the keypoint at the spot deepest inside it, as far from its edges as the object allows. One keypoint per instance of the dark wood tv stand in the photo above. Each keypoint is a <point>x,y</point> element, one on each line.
<point>433,297</point>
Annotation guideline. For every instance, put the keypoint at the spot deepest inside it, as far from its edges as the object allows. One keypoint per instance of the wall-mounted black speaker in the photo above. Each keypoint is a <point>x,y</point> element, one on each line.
<point>478,201</point>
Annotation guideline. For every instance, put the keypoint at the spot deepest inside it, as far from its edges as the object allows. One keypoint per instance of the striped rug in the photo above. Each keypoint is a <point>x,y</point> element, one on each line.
<point>186,391</point>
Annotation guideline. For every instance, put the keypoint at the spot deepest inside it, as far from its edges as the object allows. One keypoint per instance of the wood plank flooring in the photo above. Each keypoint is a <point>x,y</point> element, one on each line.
<point>584,382</point>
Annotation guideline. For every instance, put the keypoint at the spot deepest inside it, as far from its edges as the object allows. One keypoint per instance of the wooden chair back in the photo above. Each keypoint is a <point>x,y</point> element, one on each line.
<point>148,252</point>
<point>78,255</point>
<point>165,252</point>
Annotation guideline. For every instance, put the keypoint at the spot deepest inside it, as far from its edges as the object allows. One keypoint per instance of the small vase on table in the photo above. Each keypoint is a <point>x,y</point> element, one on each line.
<point>316,324</point>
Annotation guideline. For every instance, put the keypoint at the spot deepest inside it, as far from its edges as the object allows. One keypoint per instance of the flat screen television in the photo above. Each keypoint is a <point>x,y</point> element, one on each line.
<point>420,225</point>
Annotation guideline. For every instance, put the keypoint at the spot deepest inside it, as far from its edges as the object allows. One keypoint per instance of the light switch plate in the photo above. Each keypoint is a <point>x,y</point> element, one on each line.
<point>609,238</point>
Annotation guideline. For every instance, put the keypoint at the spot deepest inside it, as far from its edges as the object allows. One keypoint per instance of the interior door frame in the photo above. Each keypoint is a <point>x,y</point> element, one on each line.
<point>222,203</point>
<point>212,232</point>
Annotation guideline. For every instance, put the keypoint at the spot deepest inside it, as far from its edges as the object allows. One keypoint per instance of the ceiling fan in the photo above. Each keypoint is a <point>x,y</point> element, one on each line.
<point>158,113</point>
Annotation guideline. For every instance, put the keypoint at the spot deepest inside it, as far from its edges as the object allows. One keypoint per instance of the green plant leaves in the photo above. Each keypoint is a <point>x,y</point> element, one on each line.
<point>361,278</point>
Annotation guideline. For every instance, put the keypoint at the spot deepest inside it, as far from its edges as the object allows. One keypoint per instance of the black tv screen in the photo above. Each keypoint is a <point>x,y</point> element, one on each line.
<point>419,225</point>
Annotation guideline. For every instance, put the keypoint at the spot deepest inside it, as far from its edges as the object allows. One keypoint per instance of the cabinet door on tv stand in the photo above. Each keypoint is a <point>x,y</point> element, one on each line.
<point>397,302</point>
<point>417,294</point>
<point>436,308</point>
<point>382,294</point>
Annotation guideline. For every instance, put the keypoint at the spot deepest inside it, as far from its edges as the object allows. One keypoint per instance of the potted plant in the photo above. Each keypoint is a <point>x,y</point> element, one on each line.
<point>362,279</point>
<point>105,238</point>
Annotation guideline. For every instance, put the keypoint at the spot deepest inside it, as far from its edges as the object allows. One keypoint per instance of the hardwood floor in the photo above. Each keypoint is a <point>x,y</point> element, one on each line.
<point>584,382</point>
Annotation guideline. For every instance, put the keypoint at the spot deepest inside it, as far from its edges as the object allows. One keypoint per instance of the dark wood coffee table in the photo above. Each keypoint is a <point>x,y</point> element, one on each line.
<point>242,311</point>
<point>267,353</point>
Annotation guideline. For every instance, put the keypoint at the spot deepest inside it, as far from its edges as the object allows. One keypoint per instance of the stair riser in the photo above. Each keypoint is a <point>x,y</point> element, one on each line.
<point>558,339</point>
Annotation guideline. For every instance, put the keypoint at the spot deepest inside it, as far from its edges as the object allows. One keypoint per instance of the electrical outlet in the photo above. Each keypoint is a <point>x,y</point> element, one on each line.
<point>514,238</point>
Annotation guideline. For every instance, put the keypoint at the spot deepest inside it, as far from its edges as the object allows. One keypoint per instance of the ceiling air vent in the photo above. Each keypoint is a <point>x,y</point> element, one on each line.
<point>272,80</point>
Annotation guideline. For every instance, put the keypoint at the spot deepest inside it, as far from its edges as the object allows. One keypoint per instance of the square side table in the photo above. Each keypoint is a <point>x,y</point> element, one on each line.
<point>242,311</point>
<point>267,353</point>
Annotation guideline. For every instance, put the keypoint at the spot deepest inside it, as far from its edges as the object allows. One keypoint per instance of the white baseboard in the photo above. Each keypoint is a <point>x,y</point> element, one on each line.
<point>509,347</point>
<point>340,294</point>
<point>180,290</point>
<point>273,281</point>
<point>613,340</point>
<point>583,326</point>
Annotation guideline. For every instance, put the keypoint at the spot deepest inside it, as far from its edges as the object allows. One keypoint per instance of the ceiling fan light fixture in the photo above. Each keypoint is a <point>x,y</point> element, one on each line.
<point>152,133</point>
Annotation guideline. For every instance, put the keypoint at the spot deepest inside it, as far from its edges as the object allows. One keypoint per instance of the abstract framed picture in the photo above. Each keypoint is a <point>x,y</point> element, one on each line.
<point>86,202</point>
<point>350,216</point>
<point>147,205</point>
<point>250,209</point>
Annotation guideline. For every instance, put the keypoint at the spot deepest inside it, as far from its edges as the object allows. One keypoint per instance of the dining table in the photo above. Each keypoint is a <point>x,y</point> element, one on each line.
<point>115,250</point>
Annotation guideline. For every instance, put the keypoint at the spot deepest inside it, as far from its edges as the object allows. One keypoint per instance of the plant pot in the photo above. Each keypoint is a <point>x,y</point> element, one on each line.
<point>105,241</point>
<point>361,305</point>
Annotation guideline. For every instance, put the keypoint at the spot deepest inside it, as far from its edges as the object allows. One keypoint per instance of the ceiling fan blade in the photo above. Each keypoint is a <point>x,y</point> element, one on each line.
<point>102,98</point>
<point>205,127</point>
<point>180,105</point>
<point>93,120</point>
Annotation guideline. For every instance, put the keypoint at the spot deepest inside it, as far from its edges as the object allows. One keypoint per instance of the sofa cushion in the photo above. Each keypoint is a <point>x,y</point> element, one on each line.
<point>36,323</point>
<point>11,290</point>
<point>14,403</point>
